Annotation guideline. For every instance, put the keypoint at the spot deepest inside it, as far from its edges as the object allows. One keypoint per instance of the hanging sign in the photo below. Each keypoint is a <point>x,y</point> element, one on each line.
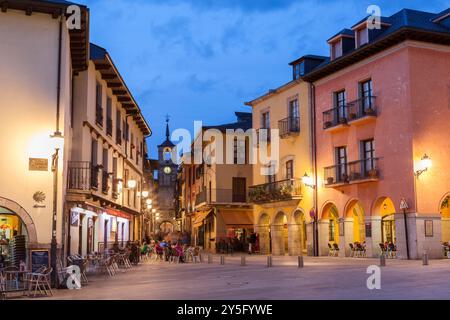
<point>403,204</point>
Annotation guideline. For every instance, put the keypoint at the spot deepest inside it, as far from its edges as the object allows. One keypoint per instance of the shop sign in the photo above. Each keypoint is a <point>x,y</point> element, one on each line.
<point>74,218</point>
<point>120,214</point>
<point>38,164</point>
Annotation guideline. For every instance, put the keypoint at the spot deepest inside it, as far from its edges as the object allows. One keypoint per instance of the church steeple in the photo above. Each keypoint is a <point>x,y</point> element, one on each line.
<point>167,129</point>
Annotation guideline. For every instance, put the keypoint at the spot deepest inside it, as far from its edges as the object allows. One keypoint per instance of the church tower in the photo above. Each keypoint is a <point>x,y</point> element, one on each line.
<point>167,175</point>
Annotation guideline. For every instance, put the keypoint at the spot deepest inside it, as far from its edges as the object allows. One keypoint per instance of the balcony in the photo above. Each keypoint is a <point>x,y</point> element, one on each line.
<point>109,127</point>
<point>99,115</point>
<point>276,191</point>
<point>219,196</point>
<point>289,126</point>
<point>358,111</point>
<point>362,110</point>
<point>119,136</point>
<point>105,182</point>
<point>82,176</point>
<point>353,172</point>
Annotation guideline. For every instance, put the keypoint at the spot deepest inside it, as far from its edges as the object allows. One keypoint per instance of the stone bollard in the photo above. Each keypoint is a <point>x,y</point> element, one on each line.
<point>243,261</point>
<point>222,260</point>
<point>200,256</point>
<point>382,260</point>
<point>269,261</point>
<point>425,259</point>
<point>210,259</point>
<point>300,262</point>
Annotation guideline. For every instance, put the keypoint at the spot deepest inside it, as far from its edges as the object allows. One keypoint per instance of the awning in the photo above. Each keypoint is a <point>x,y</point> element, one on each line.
<point>241,219</point>
<point>200,216</point>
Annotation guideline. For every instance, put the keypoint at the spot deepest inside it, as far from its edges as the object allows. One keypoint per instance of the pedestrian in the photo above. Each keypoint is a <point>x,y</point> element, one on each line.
<point>251,242</point>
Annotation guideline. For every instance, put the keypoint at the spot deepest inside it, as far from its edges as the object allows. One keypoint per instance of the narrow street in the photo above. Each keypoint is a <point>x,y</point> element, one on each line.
<point>322,278</point>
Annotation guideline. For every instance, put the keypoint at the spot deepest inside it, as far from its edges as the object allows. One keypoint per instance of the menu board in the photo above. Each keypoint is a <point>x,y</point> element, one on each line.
<point>39,258</point>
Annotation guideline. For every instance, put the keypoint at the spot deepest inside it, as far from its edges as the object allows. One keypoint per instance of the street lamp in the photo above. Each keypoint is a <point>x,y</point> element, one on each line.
<point>144,194</point>
<point>57,141</point>
<point>149,201</point>
<point>131,184</point>
<point>308,181</point>
<point>424,165</point>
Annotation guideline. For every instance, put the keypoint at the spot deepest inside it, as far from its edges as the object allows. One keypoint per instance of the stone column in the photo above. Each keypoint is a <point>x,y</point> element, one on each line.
<point>310,238</point>
<point>374,241</point>
<point>277,240</point>
<point>294,239</point>
<point>341,238</point>
<point>264,239</point>
<point>348,235</point>
<point>323,237</point>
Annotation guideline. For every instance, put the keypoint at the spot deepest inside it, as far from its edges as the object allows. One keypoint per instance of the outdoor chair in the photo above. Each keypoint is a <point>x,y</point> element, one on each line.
<point>361,250</point>
<point>336,249</point>
<point>330,250</point>
<point>40,281</point>
<point>2,287</point>
<point>383,249</point>
<point>352,250</point>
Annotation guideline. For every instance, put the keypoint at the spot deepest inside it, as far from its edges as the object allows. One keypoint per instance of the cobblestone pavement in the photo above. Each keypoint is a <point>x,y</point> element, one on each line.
<point>321,278</point>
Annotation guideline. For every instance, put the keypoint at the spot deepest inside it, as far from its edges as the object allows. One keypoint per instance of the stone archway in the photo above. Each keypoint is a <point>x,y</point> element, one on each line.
<point>329,229</point>
<point>444,209</point>
<point>383,224</point>
<point>297,233</point>
<point>24,216</point>
<point>354,225</point>
<point>263,232</point>
<point>280,239</point>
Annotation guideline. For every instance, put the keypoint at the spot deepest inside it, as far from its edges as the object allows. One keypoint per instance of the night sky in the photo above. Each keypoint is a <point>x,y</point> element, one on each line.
<point>202,59</point>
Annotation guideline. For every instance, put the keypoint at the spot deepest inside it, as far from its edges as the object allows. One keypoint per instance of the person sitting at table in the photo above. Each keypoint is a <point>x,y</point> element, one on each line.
<point>179,251</point>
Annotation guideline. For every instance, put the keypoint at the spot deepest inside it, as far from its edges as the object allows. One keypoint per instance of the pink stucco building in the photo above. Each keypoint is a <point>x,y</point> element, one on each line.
<point>382,106</point>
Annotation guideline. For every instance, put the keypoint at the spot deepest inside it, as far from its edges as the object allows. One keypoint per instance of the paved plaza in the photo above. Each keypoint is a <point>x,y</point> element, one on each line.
<point>322,278</point>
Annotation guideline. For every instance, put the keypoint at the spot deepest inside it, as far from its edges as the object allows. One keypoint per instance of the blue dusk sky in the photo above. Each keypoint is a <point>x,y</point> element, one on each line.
<point>202,59</point>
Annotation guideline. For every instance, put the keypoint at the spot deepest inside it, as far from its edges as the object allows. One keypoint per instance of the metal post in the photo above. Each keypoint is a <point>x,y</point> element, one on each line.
<point>243,263</point>
<point>210,259</point>
<point>382,260</point>
<point>269,261</point>
<point>425,259</point>
<point>300,262</point>
<point>222,260</point>
<point>406,234</point>
<point>54,245</point>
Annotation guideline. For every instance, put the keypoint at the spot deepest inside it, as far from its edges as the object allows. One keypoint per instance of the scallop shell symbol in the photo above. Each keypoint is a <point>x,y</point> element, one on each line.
<point>39,197</point>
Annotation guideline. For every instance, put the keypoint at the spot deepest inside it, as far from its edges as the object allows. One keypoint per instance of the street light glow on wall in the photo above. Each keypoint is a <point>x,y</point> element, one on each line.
<point>149,201</point>
<point>424,164</point>
<point>132,184</point>
<point>308,181</point>
<point>153,210</point>
<point>145,195</point>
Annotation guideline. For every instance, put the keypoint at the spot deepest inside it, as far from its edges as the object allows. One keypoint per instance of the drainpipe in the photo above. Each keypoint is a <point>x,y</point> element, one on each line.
<point>312,98</point>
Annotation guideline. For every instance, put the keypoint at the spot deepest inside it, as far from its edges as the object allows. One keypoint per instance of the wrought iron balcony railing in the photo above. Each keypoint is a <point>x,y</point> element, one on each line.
<point>362,108</point>
<point>105,182</point>
<point>366,169</point>
<point>79,175</point>
<point>223,196</point>
<point>289,126</point>
<point>109,126</point>
<point>354,110</point>
<point>276,191</point>
<point>99,115</point>
<point>118,136</point>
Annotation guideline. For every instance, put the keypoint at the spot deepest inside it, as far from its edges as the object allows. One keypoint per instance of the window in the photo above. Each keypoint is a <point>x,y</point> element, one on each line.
<point>336,49</point>
<point>239,189</point>
<point>362,37</point>
<point>105,175</point>
<point>331,230</point>
<point>109,122</point>
<point>132,146</point>
<point>299,70</point>
<point>365,89</point>
<point>98,105</point>
<point>294,116</point>
<point>94,163</point>
<point>341,162</point>
<point>265,120</point>
<point>271,177</point>
<point>340,106</point>
<point>290,170</point>
<point>239,151</point>
<point>368,154</point>
<point>118,130</point>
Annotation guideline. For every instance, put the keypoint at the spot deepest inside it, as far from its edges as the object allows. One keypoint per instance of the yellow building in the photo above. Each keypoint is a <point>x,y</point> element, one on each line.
<point>283,203</point>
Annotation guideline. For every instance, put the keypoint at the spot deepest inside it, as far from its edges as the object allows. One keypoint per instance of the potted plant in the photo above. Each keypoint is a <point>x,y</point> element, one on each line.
<point>330,180</point>
<point>352,116</point>
<point>327,124</point>
<point>373,173</point>
<point>370,111</point>
<point>342,120</point>
<point>354,176</point>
